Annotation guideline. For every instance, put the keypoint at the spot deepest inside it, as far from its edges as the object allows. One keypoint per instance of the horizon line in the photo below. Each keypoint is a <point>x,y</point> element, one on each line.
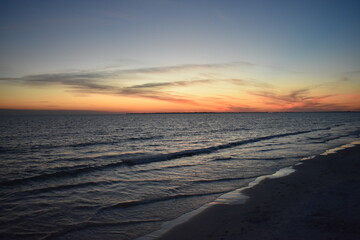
<point>4,111</point>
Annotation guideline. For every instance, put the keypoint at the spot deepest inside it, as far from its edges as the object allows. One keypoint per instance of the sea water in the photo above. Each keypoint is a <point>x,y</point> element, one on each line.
<point>122,176</point>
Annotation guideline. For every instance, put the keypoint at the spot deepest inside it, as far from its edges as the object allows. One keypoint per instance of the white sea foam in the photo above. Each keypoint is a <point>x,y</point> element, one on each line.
<point>335,150</point>
<point>237,196</point>
<point>234,197</point>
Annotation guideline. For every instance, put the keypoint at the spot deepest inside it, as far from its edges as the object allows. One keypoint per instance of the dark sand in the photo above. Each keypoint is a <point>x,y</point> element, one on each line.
<point>321,200</point>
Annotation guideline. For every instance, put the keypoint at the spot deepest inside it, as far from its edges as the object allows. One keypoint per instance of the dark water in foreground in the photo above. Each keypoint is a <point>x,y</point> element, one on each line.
<point>121,176</point>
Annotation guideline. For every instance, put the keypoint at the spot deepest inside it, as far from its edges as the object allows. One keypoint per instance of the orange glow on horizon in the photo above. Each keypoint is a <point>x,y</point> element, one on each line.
<point>188,91</point>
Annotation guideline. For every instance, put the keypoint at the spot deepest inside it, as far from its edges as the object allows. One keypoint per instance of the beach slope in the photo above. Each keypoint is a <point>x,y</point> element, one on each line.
<point>321,200</point>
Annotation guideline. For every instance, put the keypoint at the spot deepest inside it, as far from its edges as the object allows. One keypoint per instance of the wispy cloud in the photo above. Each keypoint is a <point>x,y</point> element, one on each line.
<point>186,67</point>
<point>95,83</point>
<point>149,91</point>
<point>157,95</point>
<point>119,82</point>
<point>293,96</point>
<point>173,84</point>
<point>116,82</point>
<point>253,83</point>
<point>113,72</point>
<point>297,100</point>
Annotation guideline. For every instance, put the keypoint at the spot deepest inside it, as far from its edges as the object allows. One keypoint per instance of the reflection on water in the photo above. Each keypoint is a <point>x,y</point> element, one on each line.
<point>122,176</point>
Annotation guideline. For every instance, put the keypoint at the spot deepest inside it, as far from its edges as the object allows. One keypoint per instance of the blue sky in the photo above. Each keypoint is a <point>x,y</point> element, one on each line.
<point>43,36</point>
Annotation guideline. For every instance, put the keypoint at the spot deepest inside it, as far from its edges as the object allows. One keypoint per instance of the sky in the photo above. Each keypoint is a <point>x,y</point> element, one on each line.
<point>180,55</point>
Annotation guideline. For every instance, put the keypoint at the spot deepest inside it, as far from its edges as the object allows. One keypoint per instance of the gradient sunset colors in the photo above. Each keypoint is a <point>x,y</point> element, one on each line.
<point>180,56</point>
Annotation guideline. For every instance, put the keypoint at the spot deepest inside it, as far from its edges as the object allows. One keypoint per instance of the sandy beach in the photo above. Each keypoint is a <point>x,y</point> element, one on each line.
<point>321,200</point>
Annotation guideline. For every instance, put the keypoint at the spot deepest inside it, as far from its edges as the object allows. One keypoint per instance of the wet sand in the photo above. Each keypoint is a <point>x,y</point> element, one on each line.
<point>321,200</point>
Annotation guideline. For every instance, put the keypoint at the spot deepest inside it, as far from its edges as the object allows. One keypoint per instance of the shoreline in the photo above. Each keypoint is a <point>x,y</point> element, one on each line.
<point>230,198</point>
<point>281,206</point>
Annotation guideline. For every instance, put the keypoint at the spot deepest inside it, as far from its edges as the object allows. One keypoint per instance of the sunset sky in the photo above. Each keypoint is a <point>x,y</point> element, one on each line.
<point>180,55</point>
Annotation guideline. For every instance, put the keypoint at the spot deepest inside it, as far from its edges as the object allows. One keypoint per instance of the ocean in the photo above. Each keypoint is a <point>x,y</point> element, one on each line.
<point>122,176</point>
